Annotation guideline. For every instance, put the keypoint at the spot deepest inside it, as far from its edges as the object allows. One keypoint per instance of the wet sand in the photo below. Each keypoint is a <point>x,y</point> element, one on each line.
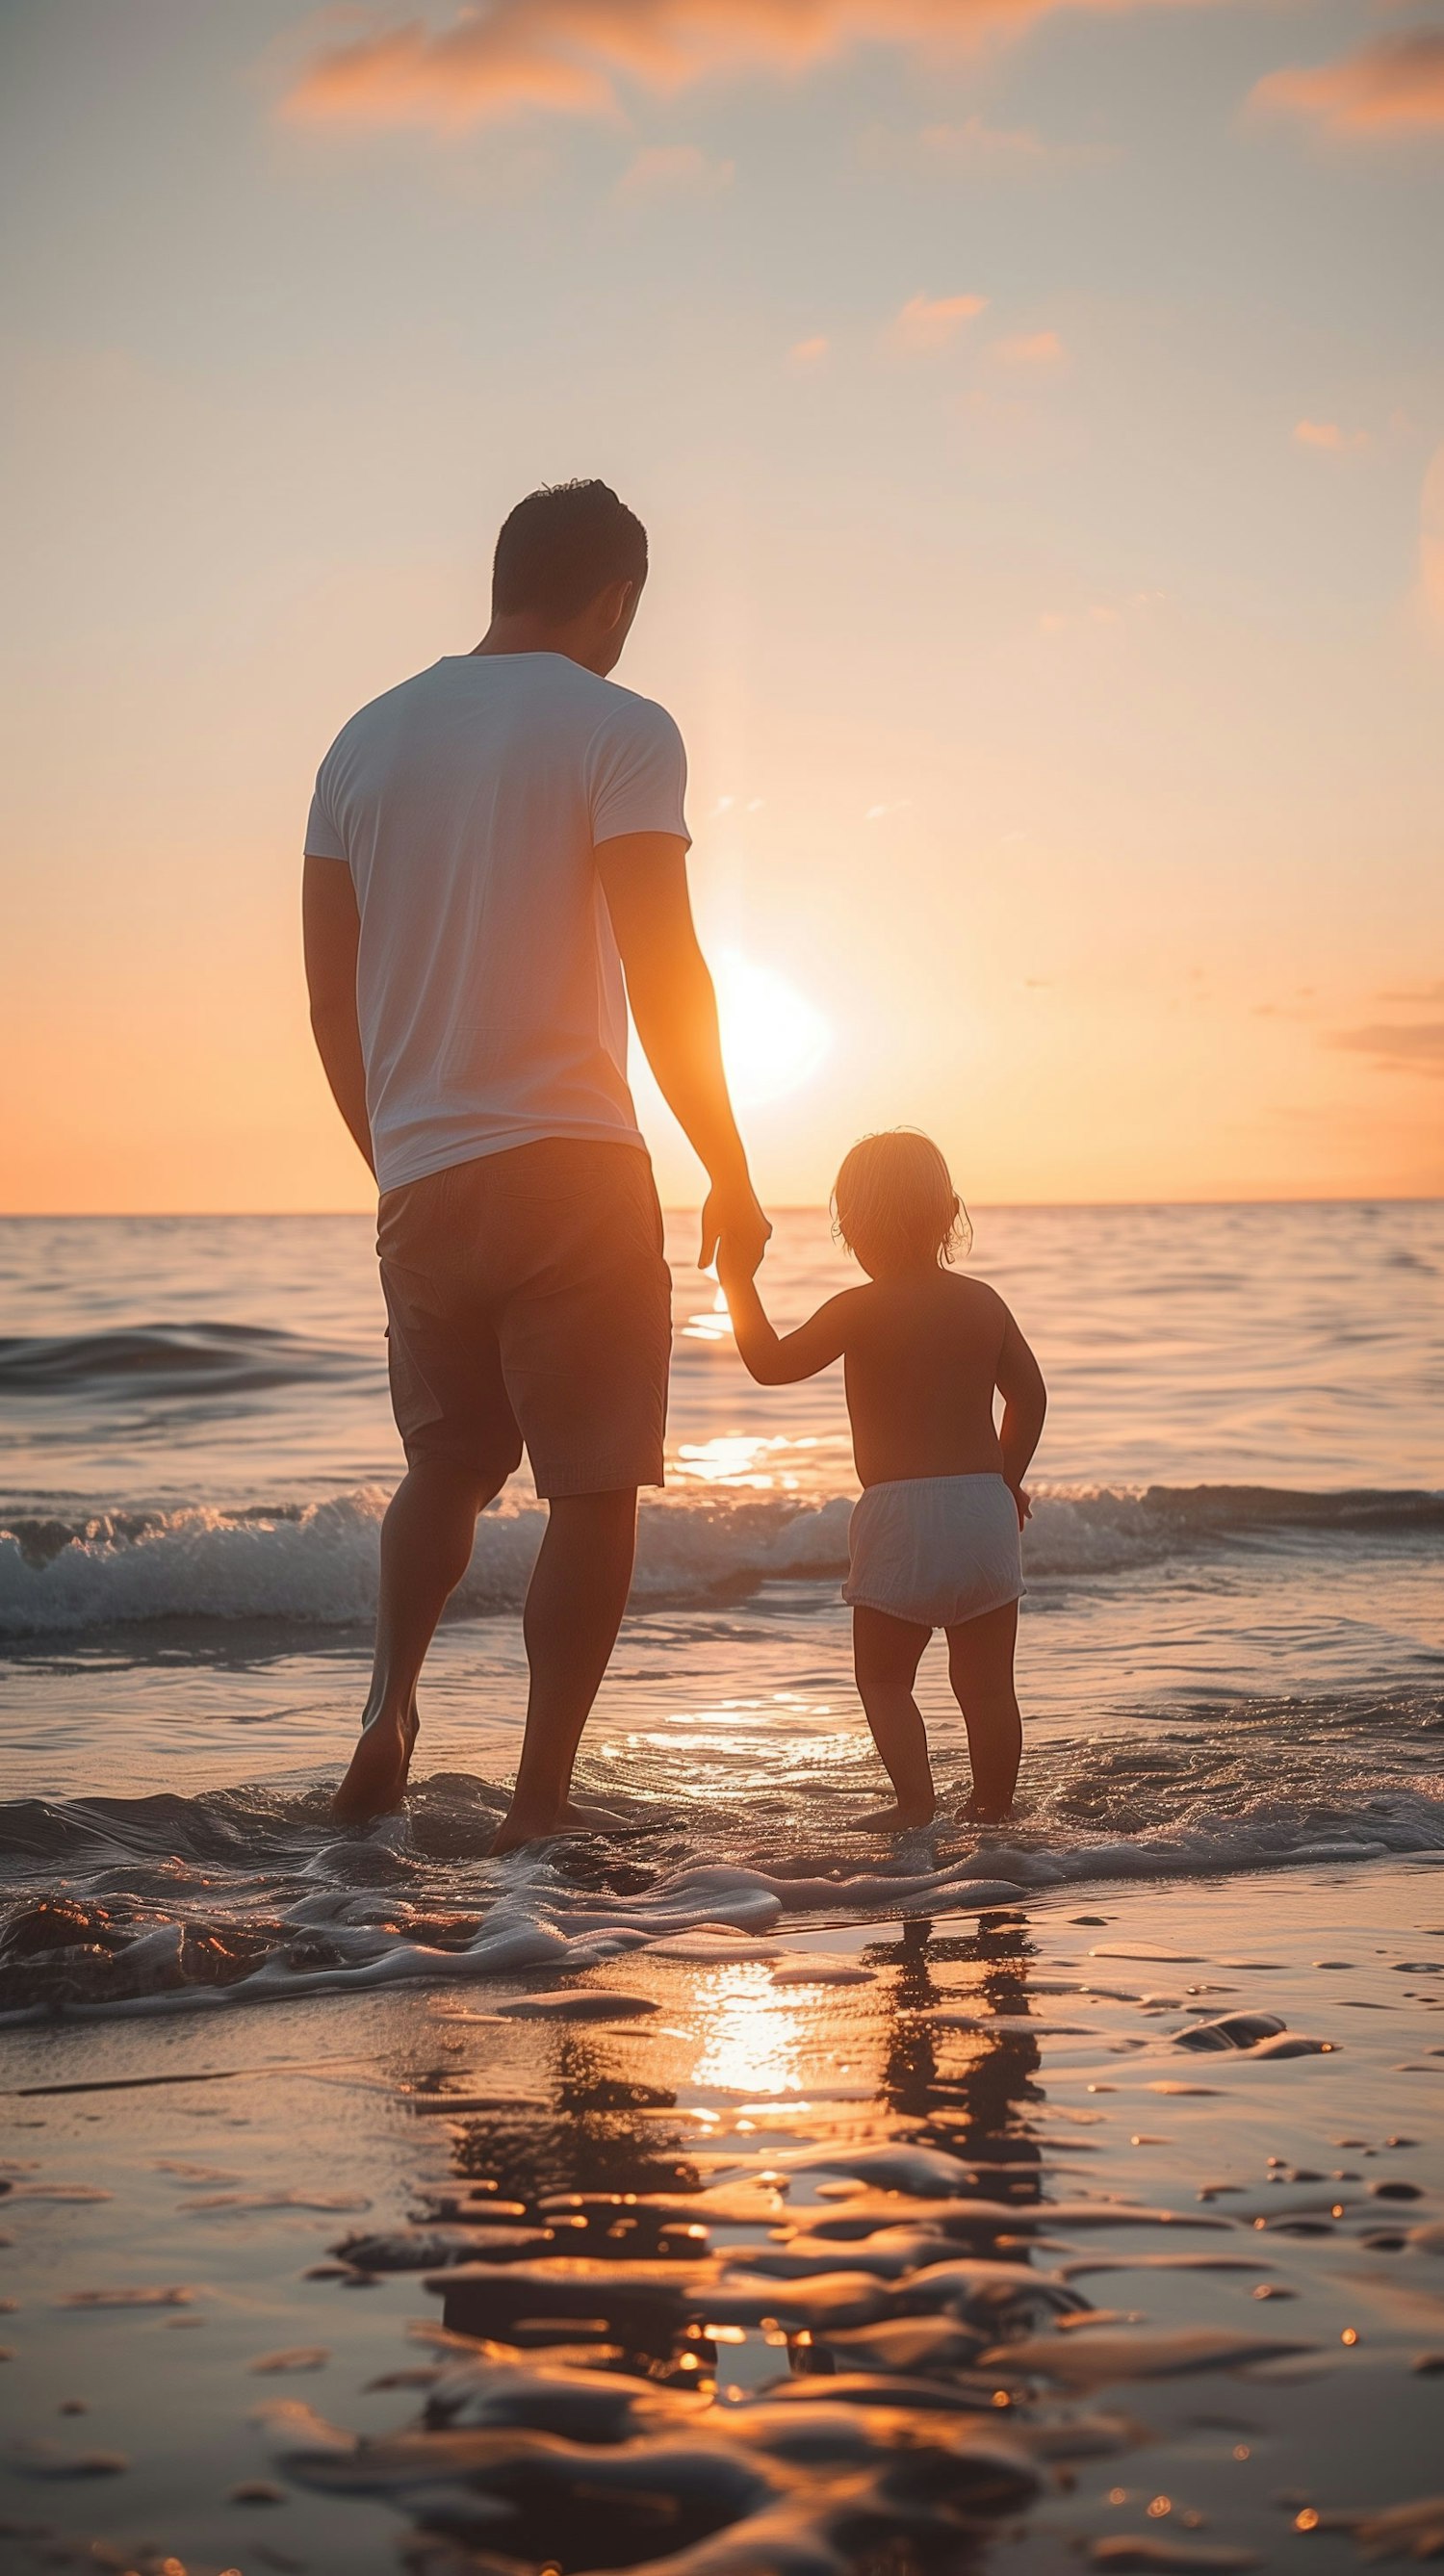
<point>881,2246</point>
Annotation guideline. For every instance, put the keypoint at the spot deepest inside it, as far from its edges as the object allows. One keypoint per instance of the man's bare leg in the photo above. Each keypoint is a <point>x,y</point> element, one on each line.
<point>426,1543</point>
<point>980,1668</point>
<point>886,1653</point>
<point>574,1608</point>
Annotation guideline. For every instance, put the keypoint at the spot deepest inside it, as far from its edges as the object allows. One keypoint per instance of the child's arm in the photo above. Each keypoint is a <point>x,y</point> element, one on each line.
<point>781,1361</point>
<point>1025,1402</point>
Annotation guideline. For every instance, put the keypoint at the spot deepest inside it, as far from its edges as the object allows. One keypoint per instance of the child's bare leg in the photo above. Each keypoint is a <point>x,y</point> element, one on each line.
<point>886,1653</point>
<point>980,1668</point>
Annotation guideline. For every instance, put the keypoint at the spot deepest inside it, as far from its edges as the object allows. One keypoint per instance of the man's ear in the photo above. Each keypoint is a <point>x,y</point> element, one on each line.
<point>616,604</point>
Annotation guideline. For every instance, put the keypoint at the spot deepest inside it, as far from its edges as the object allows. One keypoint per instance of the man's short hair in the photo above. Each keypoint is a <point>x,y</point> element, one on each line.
<point>561,546</point>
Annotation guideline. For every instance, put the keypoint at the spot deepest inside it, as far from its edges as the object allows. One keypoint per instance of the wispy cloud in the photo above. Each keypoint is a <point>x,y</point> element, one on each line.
<point>673,169</point>
<point>928,322</point>
<point>1030,353</point>
<point>807,354</point>
<point>1397,1047</point>
<point>1329,438</point>
<point>1429,996</point>
<point>568,57</point>
<point>971,146</point>
<point>1304,1006</point>
<point>1390,88</point>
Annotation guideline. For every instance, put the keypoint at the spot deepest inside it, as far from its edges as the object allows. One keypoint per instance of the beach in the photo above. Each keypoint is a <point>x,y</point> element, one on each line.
<point>668,652</point>
<point>298,2124</point>
<point>902,2244</point>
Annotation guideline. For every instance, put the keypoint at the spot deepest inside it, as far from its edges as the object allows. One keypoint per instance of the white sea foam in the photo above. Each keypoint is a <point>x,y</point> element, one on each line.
<point>317,1924</point>
<point>317,1562</point>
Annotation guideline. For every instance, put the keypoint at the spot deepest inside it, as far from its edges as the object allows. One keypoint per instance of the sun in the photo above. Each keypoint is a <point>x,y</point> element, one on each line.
<point>773,1038</point>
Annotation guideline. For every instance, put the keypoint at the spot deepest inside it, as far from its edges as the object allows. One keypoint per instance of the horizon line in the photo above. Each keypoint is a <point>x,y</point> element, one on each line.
<point>693,1208</point>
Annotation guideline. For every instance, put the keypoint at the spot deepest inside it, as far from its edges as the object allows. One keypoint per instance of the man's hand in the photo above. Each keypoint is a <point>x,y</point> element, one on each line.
<point>1024,1501</point>
<point>733,1215</point>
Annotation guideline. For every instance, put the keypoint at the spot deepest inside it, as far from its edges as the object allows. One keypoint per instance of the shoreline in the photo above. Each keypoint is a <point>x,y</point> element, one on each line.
<point>1023,2059</point>
<point>559,1910</point>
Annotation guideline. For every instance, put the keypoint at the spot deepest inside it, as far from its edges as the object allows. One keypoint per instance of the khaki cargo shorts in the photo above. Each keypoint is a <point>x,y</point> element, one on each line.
<point>529,1304</point>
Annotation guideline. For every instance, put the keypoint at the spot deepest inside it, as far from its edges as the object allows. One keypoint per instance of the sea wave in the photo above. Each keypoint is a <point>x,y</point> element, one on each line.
<point>171,1360</point>
<point>167,1902</point>
<point>316,1562</point>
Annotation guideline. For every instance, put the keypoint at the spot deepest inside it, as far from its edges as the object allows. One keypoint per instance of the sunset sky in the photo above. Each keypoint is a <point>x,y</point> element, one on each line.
<point>1038,414</point>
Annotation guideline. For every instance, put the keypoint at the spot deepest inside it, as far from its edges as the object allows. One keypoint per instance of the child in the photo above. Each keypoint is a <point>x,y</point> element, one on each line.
<point>934,1541</point>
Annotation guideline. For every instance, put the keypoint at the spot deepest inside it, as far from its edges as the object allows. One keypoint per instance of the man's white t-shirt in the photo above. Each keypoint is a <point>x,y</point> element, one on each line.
<point>467,805</point>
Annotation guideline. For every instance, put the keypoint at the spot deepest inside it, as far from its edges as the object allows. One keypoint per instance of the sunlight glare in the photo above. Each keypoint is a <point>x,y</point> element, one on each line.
<point>773,1038</point>
<point>713,1325</point>
<point>736,1458</point>
<point>754,2041</point>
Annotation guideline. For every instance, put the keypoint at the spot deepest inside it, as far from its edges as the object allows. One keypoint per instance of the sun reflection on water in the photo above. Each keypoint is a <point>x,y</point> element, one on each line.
<point>714,1324</point>
<point>737,1458</point>
<point>753,2037</point>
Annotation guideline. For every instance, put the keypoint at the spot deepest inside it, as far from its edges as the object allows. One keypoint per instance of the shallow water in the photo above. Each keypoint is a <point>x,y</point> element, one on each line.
<point>746,2194</point>
<point>1231,1651</point>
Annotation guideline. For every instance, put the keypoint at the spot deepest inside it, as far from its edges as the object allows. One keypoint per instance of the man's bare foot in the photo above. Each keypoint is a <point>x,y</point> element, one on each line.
<point>896,1819</point>
<point>515,1830</point>
<point>375,1784</point>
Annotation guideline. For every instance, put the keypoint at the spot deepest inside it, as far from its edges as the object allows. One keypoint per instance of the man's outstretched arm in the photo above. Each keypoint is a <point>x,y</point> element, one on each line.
<point>644,878</point>
<point>331,930</point>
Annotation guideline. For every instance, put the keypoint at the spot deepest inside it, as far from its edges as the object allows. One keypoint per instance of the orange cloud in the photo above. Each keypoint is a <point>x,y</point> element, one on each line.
<point>1393,87</point>
<point>1397,1048</point>
<point>566,56</point>
<point>1329,438</point>
<point>1036,353</point>
<point>809,353</point>
<point>929,322</point>
<point>664,169</point>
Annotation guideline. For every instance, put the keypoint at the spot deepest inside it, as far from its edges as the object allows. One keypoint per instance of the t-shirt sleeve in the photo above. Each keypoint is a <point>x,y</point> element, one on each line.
<point>639,775</point>
<point>323,837</point>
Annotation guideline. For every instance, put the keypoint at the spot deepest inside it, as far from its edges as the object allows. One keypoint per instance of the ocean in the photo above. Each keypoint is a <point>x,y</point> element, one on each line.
<point>1231,1651</point>
<point>744,2192</point>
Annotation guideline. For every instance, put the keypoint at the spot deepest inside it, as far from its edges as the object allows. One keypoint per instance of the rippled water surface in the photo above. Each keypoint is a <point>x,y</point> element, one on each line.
<point>236,1360</point>
<point>745,2192</point>
<point>1231,1650</point>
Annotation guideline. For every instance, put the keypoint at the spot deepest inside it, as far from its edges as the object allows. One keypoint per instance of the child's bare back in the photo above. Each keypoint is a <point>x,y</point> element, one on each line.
<point>923,1354</point>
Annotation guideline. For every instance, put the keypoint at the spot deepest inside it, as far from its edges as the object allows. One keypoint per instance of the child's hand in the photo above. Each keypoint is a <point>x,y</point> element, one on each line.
<point>737,1262</point>
<point>1024,1501</point>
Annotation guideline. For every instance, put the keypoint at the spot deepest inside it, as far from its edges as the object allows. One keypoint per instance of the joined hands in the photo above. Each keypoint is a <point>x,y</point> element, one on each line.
<point>735,1228</point>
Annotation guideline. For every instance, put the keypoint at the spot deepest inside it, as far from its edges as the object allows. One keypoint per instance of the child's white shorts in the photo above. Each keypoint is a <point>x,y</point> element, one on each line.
<point>935,1549</point>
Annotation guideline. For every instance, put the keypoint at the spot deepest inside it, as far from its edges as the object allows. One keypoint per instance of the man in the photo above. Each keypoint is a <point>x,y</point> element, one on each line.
<point>492,847</point>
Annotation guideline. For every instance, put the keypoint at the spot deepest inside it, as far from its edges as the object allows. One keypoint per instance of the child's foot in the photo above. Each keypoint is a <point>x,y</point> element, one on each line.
<point>896,1819</point>
<point>590,1819</point>
<point>543,1826</point>
<point>375,1783</point>
<point>977,1813</point>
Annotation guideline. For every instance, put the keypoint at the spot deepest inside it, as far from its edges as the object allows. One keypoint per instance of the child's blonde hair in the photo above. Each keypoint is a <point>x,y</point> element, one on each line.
<point>895,1193</point>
